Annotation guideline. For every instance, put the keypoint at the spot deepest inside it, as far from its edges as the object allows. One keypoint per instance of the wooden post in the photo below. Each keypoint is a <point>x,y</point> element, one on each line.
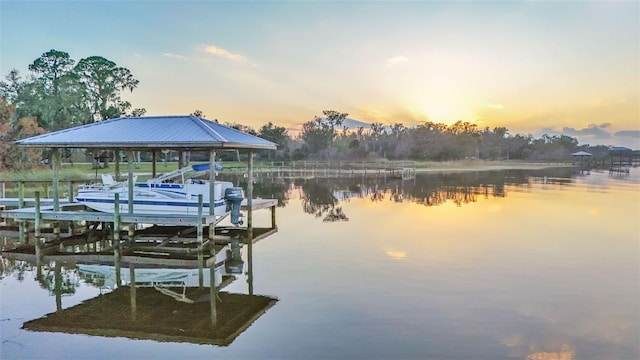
<point>130,174</point>
<point>212,195</point>
<point>213,293</point>
<point>132,291</point>
<point>37,217</point>
<point>56,193</point>
<point>57,278</point>
<point>37,241</point>
<point>250,196</point>
<point>153,163</point>
<point>212,181</point>
<point>116,157</point>
<point>200,244</point>
<point>250,222</point>
<point>56,172</point>
<point>116,238</point>
<point>131,231</point>
<point>250,265</point>
<point>273,217</point>
<point>21,223</point>
<point>70,198</point>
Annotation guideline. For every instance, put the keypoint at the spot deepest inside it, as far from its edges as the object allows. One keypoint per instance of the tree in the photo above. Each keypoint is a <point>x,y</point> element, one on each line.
<point>13,157</point>
<point>11,88</point>
<point>103,81</point>
<point>376,132</point>
<point>54,95</point>
<point>278,135</point>
<point>198,113</point>
<point>52,66</point>
<point>319,133</point>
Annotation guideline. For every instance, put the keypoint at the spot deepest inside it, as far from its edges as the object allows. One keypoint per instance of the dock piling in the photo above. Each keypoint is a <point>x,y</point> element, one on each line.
<point>116,238</point>
<point>200,242</point>
<point>21,223</point>
<point>132,291</point>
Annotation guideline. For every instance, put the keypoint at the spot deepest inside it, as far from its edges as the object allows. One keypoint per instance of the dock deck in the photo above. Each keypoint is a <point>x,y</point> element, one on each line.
<point>74,211</point>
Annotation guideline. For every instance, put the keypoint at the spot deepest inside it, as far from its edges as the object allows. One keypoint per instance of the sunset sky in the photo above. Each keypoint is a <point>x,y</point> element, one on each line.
<point>533,67</point>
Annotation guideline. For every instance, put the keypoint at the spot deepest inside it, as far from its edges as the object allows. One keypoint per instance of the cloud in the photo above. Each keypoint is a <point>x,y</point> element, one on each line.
<point>592,130</point>
<point>174,56</point>
<point>220,52</point>
<point>397,61</point>
<point>628,134</point>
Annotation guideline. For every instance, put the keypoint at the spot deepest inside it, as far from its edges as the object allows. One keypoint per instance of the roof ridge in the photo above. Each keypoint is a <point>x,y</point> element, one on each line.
<point>207,126</point>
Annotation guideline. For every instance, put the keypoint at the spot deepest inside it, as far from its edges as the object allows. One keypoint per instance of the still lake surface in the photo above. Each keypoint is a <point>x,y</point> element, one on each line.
<point>484,265</point>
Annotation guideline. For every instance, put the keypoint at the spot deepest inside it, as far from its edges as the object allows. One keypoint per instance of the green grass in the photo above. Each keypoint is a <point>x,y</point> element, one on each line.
<point>84,171</point>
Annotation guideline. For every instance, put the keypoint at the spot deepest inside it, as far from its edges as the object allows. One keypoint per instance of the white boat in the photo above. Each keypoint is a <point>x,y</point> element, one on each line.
<point>172,193</point>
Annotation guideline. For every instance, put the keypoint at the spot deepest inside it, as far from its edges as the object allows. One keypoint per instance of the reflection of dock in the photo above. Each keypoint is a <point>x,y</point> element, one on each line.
<point>621,159</point>
<point>160,303</point>
<point>159,317</point>
<point>402,173</point>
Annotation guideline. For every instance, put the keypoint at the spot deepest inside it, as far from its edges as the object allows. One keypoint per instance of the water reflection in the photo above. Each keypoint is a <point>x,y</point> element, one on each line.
<point>322,197</point>
<point>511,265</point>
<point>156,302</point>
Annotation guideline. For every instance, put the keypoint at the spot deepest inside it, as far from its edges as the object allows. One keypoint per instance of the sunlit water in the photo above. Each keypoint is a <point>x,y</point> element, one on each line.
<point>489,265</point>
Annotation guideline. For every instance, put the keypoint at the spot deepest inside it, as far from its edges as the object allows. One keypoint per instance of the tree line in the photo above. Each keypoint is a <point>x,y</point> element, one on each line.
<point>60,92</point>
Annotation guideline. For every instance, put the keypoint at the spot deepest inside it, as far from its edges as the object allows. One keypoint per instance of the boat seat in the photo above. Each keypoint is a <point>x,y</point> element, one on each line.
<point>107,179</point>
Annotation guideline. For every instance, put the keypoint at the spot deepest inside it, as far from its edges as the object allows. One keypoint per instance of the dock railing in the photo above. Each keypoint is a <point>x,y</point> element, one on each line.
<point>21,189</point>
<point>328,168</point>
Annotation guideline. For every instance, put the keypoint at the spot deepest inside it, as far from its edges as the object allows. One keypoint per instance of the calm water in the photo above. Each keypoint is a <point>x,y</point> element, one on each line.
<point>488,265</point>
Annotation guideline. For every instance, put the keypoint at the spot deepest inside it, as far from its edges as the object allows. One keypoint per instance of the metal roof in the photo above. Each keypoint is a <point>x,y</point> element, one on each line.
<point>619,149</point>
<point>581,153</point>
<point>150,132</point>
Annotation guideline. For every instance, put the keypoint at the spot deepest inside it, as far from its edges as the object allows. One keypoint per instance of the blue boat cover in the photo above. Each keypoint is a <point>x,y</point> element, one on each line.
<point>205,167</point>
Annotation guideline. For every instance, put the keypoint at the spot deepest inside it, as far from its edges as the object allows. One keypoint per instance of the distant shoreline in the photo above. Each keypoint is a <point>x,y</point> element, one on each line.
<point>83,170</point>
<point>481,165</point>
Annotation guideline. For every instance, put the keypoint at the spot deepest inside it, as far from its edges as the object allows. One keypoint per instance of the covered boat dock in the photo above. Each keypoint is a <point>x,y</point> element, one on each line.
<point>178,238</point>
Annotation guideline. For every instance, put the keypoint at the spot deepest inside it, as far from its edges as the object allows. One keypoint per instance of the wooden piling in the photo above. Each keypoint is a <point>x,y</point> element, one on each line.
<point>200,242</point>
<point>37,217</point>
<point>273,217</point>
<point>71,226</point>
<point>212,181</point>
<point>131,230</point>
<point>116,238</point>
<point>58,286</point>
<point>37,240</point>
<point>250,195</point>
<point>55,152</point>
<point>153,163</point>
<point>250,266</point>
<point>213,294</point>
<point>21,223</point>
<point>132,291</point>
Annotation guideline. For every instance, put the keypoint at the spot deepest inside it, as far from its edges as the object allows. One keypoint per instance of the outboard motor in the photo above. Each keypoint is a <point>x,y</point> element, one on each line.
<point>234,197</point>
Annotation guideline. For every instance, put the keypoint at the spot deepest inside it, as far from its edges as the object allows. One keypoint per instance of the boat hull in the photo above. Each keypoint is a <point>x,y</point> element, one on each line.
<point>155,198</point>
